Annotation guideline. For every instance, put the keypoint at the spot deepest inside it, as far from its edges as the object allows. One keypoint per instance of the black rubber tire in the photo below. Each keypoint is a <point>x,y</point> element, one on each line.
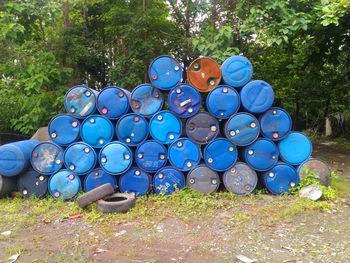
<point>95,194</point>
<point>120,202</point>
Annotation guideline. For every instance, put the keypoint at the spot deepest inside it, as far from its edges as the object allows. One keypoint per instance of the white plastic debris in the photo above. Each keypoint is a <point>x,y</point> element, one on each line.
<point>245,259</point>
<point>312,192</point>
<point>13,258</point>
<point>120,233</point>
<point>6,233</point>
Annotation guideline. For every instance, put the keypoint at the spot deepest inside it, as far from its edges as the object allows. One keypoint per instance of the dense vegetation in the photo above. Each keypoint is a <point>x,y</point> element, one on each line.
<point>301,47</point>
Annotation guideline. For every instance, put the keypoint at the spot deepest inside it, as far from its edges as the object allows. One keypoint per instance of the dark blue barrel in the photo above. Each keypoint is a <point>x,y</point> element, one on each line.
<point>15,157</point>
<point>113,102</point>
<point>33,183</point>
<point>132,129</point>
<point>236,71</point>
<point>151,156</point>
<point>281,178</point>
<point>257,96</point>
<point>135,181</point>
<point>184,154</point>
<point>115,158</point>
<point>242,129</point>
<point>165,127</point>
<point>223,101</point>
<point>165,72</point>
<point>240,179</point>
<point>80,101</point>
<point>261,155</point>
<point>80,158</point>
<point>47,158</point>
<point>202,128</point>
<point>64,129</point>
<point>97,131</point>
<point>203,179</point>
<point>167,180</point>
<point>275,124</point>
<point>315,168</point>
<point>64,185</point>
<point>295,148</point>
<point>146,100</point>
<point>98,177</point>
<point>184,100</point>
<point>8,184</point>
<point>220,154</point>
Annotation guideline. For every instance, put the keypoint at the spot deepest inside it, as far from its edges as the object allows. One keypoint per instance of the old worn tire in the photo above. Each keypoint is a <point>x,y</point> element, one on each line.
<point>95,194</point>
<point>120,203</point>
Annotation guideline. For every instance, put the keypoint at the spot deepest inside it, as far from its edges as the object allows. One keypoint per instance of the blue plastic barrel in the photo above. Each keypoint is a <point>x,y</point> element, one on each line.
<point>132,129</point>
<point>8,184</point>
<point>98,177</point>
<point>64,185</point>
<point>220,154</point>
<point>64,129</point>
<point>47,158</point>
<point>80,101</point>
<point>275,124</point>
<point>257,96</point>
<point>242,129</point>
<point>165,72</point>
<point>223,101</point>
<point>184,100</point>
<point>113,102</point>
<point>202,128</point>
<point>295,148</point>
<point>203,179</point>
<point>184,154</point>
<point>115,158</point>
<point>240,179</point>
<point>151,156</point>
<point>281,178</point>
<point>315,168</point>
<point>80,158</point>
<point>15,157</point>
<point>167,180</point>
<point>165,127</point>
<point>97,131</point>
<point>146,100</point>
<point>32,183</point>
<point>261,155</point>
<point>135,181</point>
<point>236,71</point>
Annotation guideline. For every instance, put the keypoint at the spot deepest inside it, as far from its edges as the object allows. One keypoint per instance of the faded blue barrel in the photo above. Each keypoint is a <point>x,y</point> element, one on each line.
<point>203,179</point>
<point>220,154</point>
<point>236,71</point>
<point>146,100</point>
<point>64,129</point>
<point>98,177</point>
<point>132,129</point>
<point>80,101</point>
<point>97,131</point>
<point>295,148</point>
<point>184,154</point>
<point>223,101</point>
<point>202,128</point>
<point>113,102</point>
<point>315,168</point>
<point>257,96</point>
<point>242,129</point>
<point>47,158</point>
<point>167,180</point>
<point>165,72</point>
<point>261,155</point>
<point>281,178</point>
<point>115,158</point>
<point>240,179</point>
<point>165,127</point>
<point>275,124</point>
<point>184,100</point>
<point>80,158</point>
<point>8,184</point>
<point>15,157</point>
<point>135,181</point>
<point>64,185</point>
<point>151,156</point>
<point>32,183</point>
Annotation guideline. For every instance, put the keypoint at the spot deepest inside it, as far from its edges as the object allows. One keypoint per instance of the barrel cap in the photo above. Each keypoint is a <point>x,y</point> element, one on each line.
<point>167,180</point>
<point>135,181</point>
<point>80,101</point>
<point>132,129</point>
<point>220,154</point>
<point>257,96</point>
<point>146,100</point>
<point>151,156</point>
<point>240,179</point>
<point>165,127</point>
<point>184,154</point>
<point>64,185</point>
<point>295,148</point>
<point>203,179</point>
<point>236,71</point>
<point>115,158</point>
<point>97,131</point>
<point>113,102</point>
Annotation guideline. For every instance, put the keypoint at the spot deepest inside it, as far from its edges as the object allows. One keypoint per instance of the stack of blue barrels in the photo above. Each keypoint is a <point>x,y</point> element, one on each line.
<point>220,126</point>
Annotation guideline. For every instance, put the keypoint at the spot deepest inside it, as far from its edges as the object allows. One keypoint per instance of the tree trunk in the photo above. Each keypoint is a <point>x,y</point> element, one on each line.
<point>145,40</point>
<point>213,19</point>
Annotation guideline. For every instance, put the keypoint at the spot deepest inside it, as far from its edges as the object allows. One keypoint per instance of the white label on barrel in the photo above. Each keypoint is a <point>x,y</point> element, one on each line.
<point>86,108</point>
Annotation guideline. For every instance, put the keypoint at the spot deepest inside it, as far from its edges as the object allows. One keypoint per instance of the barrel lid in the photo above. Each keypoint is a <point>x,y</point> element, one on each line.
<point>115,158</point>
<point>64,185</point>
<point>47,158</point>
<point>97,131</point>
<point>135,181</point>
<point>146,100</point>
<point>132,129</point>
<point>288,146</point>
<point>257,96</point>
<point>112,102</point>
<point>281,178</point>
<point>12,160</point>
<point>184,154</point>
<point>202,128</point>
<point>167,180</point>
<point>237,71</point>
<point>275,123</point>
<point>316,166</point>
<point>240,179</point>
<point>64,129</point>
<point>165,127</point>
<point>220,154</point>
<point>151,156</point>
<point>33,183</point>
<point>203,179</point>
<point>80,101</point>
<point>80,158</point>
<point>98,177</point>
